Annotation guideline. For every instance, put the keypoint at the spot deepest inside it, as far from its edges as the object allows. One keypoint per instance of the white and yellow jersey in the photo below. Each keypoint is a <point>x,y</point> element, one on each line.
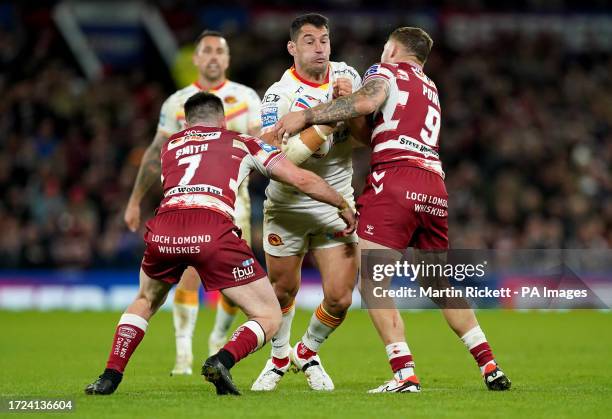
<point>241,103</point>
<point>242,113</point>
<point>333,160</point>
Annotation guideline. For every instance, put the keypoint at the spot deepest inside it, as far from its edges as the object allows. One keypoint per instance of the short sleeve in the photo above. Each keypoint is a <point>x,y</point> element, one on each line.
<point>168,123</point>
<point>262,156</point>
<point>254,109</point>
<point>274,105</point>
<point>355,78</point>
<point>378,71</point>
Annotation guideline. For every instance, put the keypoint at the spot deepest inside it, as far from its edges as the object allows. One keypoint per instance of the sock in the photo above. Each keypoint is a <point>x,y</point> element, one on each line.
<point>130,331</point>
<point>223,319</point>
<point>226,358</point>
<point>184,314</point>
<point>478,346</point>
<point>280,362</point>
<point>246,339</point>
<point>280,341</point>
<point>400,360</point>
<point>321,325</point>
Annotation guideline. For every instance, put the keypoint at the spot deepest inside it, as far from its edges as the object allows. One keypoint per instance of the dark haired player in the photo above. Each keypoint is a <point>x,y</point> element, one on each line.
<point>404,141</point>
<point>202,167</point>
<point>242,113</point>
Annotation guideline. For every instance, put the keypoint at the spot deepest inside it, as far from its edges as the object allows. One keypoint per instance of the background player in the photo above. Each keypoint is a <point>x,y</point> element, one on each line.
<point>407,120</point>
<point>202,167</point>
<point>242,112</point>
<point>294,223</point>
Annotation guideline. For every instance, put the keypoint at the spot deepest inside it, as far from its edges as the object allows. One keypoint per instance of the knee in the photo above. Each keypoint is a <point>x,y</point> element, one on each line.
<point>270,322</point>
<point>285,290</point>
<point>338,303</point>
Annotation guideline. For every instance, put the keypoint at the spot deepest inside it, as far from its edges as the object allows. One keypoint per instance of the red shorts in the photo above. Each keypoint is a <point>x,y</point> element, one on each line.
<point>203,239</point>
<point>404,206</point>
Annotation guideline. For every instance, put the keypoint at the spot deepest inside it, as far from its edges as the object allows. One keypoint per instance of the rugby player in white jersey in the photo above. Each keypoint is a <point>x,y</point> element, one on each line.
<point>295,224</point>
<point>405,167</point>
<point>242,114</point>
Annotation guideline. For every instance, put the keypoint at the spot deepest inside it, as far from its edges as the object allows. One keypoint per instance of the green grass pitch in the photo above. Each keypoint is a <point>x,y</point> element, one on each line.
<point>559,364</point>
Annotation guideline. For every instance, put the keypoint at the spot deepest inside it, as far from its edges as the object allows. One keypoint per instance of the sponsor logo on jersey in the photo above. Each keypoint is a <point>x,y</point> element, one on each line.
<point>127,332</point>
<point>275,239</point>
<point>248,262</point>
<point>346,71</point>
<point>369,229</point>
<point>194,189</point>
<point>243,273</point>
<point>306,102</point>
<point>230,100</point>
<point>269,116</point>
<point>266,147</point>
<point>301,103</point>
<point>271,98</point>
<point>372,70</point>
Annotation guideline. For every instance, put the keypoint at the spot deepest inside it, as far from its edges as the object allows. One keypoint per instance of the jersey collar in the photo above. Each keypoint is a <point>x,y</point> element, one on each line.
<point>295,74</point>
<point>212,89</point>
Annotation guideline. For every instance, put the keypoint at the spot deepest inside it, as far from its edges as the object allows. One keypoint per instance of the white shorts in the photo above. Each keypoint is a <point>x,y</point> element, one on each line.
<point>242,213</point>
<point>294,231</point>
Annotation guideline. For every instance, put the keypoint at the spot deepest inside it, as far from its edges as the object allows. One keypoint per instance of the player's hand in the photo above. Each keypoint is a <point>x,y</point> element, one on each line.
<point>342,87</point>
<point>132,216</point>
<point>290,124</point>
<point>348,215</point>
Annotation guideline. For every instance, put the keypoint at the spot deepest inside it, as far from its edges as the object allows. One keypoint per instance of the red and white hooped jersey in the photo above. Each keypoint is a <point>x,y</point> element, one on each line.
<point>202,167</point>
<point>407,126</point>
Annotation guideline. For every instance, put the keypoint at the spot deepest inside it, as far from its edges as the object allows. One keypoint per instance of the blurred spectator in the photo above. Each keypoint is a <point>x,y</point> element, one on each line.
<point>526,142</point>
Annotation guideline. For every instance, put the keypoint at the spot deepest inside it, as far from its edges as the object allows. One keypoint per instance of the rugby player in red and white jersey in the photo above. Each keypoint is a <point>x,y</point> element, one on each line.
<point>242,114</point>
<point>405,167</point>
<point>202,167</point>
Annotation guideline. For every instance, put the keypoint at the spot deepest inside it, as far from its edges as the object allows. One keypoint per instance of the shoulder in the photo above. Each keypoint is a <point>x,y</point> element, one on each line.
<point>341,69</point>
<point>383,70</point>
<point>179,97</point>
<point>254,145</point>
<point>242,88</point>
<point>281,87</point>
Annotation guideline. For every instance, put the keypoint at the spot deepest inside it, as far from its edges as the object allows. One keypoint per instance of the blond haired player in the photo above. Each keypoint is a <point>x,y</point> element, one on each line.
<point>294,223</point>
<point>242,114</point>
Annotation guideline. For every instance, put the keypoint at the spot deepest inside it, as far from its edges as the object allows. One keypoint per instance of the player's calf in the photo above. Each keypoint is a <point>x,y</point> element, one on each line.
<point>129,333</point>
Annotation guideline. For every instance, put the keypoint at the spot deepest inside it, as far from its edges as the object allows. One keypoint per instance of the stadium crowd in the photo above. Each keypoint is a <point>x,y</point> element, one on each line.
<point>526,143</point>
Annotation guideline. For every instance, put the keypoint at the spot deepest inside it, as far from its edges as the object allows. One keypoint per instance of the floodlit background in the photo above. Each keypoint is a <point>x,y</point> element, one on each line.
<point>526,139</point>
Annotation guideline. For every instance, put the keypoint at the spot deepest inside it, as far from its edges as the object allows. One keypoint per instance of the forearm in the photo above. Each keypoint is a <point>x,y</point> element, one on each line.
<point>149,172</point>
<point>363,102</point>
<point>316,188</point>
<point>340,109</point>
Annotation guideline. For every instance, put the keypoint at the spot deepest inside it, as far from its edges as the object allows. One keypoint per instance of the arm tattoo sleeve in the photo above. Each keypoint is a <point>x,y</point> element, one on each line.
<point>346,107</point>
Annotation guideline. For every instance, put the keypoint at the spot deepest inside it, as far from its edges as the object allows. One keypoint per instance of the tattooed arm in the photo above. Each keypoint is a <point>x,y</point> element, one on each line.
<point>363,102</point>
<point>148,173</point>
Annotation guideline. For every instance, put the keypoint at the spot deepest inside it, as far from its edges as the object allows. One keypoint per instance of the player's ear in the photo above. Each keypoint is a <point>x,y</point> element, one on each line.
<point>291,48</point>
<point>395,50</point>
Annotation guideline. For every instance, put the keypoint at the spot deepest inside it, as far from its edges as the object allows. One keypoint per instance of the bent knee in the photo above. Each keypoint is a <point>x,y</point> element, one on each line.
<point>285,292</point>
<point>338,304</point>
